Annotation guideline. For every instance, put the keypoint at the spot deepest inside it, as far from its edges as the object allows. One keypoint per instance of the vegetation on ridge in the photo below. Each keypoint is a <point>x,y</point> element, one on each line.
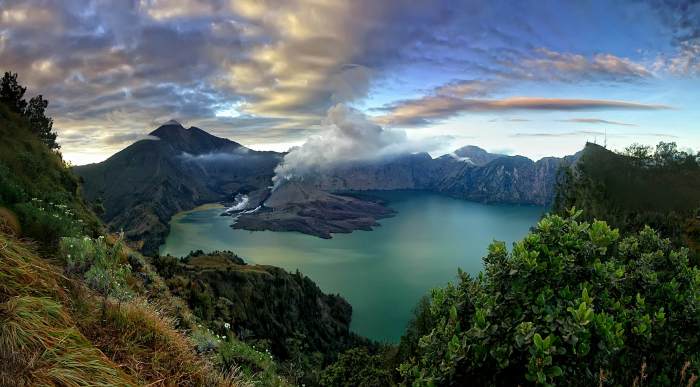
<point>641,186</point>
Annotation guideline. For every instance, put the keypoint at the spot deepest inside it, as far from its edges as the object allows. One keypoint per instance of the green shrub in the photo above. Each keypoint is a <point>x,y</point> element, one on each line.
<point>357,368</point>
<point>235,355</point>
<point>10,190</point>
<point>47,221</point>
<point>572,304</point>
<point>98,263</point>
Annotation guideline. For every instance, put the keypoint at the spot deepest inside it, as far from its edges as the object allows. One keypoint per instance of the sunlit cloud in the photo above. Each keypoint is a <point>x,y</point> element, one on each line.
<point>429,109</point>
<point>266,72</point>
<point>548,64</point>
<point>596,121</point>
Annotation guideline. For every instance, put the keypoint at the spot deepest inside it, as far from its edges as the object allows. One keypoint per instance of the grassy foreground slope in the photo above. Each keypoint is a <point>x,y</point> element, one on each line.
<point>79,308</point>
<point>54,330</point>
<point>34,180</point>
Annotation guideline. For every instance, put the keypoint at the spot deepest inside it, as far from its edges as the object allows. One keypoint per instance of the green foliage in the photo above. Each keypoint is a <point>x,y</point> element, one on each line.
<point>233,354</point>
<point>36,184</point>
<point>641,186</point>
<point>12,95</point>
<point>48,221</point>
<point>40,124</point>
<point>356,367</point>
<point>99,264</point>
<point>574,303</point>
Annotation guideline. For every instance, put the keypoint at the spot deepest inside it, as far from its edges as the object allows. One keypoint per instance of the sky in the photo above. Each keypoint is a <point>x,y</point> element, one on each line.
<point>535,78</point>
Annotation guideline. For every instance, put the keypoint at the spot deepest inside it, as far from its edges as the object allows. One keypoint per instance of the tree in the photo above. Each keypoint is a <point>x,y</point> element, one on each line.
<point>12,93</point>
<point>667,153</point>
<point>574,303</point>
<point>643,153</point>
<point>39,123</point>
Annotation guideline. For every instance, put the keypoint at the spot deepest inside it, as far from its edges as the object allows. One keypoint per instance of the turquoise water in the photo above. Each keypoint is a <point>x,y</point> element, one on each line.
<point>382,273</point>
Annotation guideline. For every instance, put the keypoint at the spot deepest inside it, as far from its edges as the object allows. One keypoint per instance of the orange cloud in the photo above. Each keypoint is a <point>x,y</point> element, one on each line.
<point>437,107</point>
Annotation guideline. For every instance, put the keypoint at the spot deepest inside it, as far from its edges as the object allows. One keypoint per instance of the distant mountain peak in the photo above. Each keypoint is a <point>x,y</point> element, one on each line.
<point>193,140</point>
<point>172,122</point>
<point>474,155</point>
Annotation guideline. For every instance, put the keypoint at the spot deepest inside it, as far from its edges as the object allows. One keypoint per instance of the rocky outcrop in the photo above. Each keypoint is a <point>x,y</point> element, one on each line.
<point>468,173</point>
<point>508,179</point>
<point>294,206</point>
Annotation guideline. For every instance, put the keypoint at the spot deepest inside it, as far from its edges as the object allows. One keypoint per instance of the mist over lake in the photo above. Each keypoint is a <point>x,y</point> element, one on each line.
<point>382,273</point>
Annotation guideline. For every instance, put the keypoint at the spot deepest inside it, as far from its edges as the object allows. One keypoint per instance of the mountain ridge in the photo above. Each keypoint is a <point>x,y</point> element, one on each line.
<point>142,186</point>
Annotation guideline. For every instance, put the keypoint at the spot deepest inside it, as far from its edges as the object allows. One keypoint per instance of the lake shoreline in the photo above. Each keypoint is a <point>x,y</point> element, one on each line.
<point>444,234</point>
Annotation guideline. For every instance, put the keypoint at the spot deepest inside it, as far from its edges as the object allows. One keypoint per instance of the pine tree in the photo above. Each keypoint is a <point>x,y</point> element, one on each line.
<point>40,124</point>
<point>12,93</point>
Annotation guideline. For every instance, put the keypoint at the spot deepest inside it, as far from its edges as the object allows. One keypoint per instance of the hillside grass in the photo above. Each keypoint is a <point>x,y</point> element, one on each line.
<point>78,307</point>
<point>56,331</point>
<point>38,188</point>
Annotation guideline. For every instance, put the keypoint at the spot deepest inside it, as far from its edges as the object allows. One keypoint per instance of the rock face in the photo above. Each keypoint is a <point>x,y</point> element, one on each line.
<point>260,302</point>
<point>468,173</point>
<point>507,179</point>
<point>143,185</point>
<point>294,206</point>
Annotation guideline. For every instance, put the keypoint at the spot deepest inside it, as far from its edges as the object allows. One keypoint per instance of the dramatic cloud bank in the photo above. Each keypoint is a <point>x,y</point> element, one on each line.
<point>265,72</point>
<point>347,136</point>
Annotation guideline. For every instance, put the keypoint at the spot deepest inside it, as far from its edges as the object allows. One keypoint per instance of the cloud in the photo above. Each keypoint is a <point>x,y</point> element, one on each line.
<point>570,67</point>
<point>685,61</point>
<point>577,133</point>
<point>596,121</point>
<point>439,107</point>
<point>120,67</point>
<point>347,136</point>
<point>127,65</point>
<point>516,119</point>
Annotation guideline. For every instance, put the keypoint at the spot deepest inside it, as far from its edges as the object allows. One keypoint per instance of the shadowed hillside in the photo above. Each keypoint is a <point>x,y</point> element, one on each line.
<point>660,188</point>
<point>176,169</point>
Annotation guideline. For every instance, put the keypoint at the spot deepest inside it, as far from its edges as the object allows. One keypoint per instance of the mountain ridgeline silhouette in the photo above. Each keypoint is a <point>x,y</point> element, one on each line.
<point>176,169</point>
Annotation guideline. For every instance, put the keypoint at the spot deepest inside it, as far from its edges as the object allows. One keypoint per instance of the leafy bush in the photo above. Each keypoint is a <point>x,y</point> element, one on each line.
<point>99,264</point>
<point>573,304</point>
<point>48,221</point>
<point>357,368</point>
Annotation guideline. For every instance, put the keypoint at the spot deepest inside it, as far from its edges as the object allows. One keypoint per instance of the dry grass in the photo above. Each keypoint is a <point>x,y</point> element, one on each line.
<point>9,222</point>
<point>39,344</point>
<point>56,332</point>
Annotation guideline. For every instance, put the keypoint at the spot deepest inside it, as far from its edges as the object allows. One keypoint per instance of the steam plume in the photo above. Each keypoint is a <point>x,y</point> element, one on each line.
<point>348,136</point>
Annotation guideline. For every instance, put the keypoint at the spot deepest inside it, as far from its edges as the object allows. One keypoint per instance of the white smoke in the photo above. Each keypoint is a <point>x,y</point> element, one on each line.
<point>460,158</point>
<point>239,203</point>
<point>348,136</point>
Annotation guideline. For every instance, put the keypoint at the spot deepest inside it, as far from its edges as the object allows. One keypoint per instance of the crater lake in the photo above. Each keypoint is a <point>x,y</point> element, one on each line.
<point>382,273</point>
